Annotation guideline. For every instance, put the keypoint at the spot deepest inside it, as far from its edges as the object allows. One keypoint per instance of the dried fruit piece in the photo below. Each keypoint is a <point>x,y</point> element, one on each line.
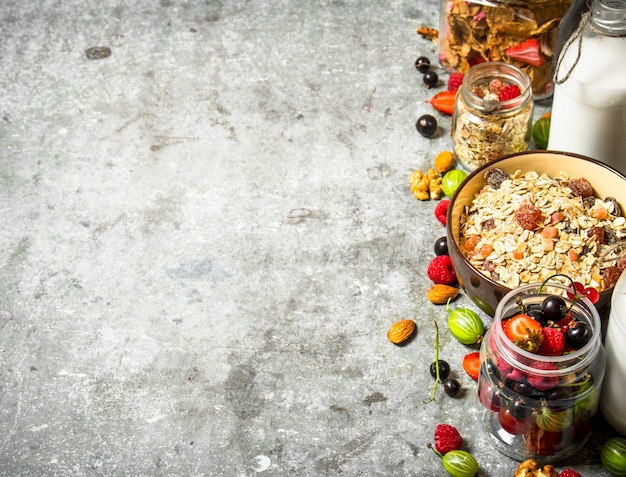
<point>429,33</point>
<point>401,331</point>
<point>528,216</point>
<point>420,185</point>
<point>443,102</point>
<point>444,162</point>
<point>529,52</point>
<point>440,294</point>
<point>495,177</point>
<point>581,187</point>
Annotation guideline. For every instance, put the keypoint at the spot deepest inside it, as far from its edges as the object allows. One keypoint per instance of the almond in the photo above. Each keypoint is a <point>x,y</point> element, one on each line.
<point>401,331</point>
<point>444,162</point>
<point>440,294</point>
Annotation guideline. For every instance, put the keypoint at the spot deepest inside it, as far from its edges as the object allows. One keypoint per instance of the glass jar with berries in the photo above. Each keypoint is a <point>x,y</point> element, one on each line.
<point>519,32</point>
<point>542,367</point>
<point>492,114</point>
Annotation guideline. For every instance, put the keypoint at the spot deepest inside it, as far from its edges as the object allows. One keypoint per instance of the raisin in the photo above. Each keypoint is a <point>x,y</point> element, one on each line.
<point>614,208</point>
<point>589,202</point>
<point>597,233</point>
<point>528,216</point>
<point>489,224</point>
<point>495,177</point>
<point>610,276</point>
<point>581,187</point>
<point>610,237</point>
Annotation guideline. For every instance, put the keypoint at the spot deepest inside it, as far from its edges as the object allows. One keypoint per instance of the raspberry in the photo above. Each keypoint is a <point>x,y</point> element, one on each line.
<point>553,342</point>
<point>454,81</point>
<point>509,92</point>
<point>569,473</point>
<point>543,382</point>
<point>447,438</point>
<point>441,271</point>
<point>441,210</point>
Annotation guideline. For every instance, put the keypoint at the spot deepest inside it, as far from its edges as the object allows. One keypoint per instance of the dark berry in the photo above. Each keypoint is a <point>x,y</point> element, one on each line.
<point>578,335</point>
<point>431,79</point>
<point>519,409</point>
<point>441,246</point>
<point>553,307</point>
<point>537,313</point>
<point>444,369</point>
<point>451,387</point>
<point>426,125</point>
<point>422,64</point>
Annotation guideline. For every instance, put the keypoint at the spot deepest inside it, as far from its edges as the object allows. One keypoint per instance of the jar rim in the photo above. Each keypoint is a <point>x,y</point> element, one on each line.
<point>580,357</point>
<point>496,70</point>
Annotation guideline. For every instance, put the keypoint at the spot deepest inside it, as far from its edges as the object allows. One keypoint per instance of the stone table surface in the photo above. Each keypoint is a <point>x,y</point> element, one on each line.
<point>206,234</point>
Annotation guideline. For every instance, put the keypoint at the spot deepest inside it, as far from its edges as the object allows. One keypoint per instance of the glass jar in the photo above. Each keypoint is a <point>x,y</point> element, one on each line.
<point>521,32</point>
<point>485,128</point>
<point>539,406</point>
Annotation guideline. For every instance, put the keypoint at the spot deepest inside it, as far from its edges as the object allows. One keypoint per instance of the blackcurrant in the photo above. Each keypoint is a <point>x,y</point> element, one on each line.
<point>422,64</point>
<point>444,369</point>
<point>535,312</point>
<point>441,246</point>
<point>451,387</point>
<point>431,79</point>
<point>553,307</point>
<point>578,335</point>
<point>426,125</point>
<point>519,409</point>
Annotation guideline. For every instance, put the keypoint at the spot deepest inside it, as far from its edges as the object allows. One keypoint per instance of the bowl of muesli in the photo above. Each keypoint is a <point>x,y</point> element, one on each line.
<point>529,216</point>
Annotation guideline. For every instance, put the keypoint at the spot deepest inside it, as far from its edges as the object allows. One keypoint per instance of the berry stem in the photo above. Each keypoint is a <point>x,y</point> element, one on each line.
<point>437,376</point>
<point>574,291</point>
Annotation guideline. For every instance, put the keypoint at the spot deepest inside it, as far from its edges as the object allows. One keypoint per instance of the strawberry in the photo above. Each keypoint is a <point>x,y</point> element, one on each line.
<point>447,438</point>
<point>443,102</point>
<point>553,342</point>
<point>524,331</point>
<point>471,364</point>
<point>509,92</point>
<point>441,210</point>
<point>440,270</point>
<point>569,473</point>
<point>454,81</point>
<point>529,52</point>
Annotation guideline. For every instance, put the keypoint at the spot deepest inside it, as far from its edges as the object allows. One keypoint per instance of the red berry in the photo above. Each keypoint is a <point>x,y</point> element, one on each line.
<point>579,288</point>
<point>441,210</point>
<point>592,294</point>
<point>441,271</point>
<point>543,382</point>
<point>471,364</point>
<point>553,342</point>
<point>454,81</point>
<point>447,438</point>
<point>569,473</point>
<point>509,92</point>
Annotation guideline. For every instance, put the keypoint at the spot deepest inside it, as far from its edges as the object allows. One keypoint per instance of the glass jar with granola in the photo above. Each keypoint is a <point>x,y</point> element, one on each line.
<point>519,32</point>
<point>492,114</point>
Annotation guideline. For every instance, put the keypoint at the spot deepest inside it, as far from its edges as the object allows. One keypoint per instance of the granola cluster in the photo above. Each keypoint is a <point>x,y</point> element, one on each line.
<point>534,226</point>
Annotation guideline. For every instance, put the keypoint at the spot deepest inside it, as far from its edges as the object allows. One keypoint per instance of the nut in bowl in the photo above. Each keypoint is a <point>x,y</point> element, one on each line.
<point>528,216</point>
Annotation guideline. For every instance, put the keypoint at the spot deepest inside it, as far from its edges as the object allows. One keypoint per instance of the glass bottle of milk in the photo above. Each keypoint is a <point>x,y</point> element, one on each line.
<point>589,102</point>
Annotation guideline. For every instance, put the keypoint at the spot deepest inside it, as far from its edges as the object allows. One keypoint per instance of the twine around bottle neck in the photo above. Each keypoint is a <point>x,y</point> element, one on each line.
<point>577,36</point>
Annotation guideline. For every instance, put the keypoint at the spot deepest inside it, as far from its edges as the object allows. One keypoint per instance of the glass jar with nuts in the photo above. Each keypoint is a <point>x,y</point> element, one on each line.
<point>492,114</point>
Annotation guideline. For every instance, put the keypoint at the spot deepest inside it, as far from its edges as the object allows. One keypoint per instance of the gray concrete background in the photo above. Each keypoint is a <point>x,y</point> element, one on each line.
<point>206,235</point>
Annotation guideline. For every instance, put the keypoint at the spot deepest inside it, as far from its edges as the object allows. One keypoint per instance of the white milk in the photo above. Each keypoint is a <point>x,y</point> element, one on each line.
<point>613,395</point>
<point>589,108</point>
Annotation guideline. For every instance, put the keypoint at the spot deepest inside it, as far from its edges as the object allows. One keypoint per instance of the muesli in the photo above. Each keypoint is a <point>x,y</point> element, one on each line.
<point>526,227</point>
